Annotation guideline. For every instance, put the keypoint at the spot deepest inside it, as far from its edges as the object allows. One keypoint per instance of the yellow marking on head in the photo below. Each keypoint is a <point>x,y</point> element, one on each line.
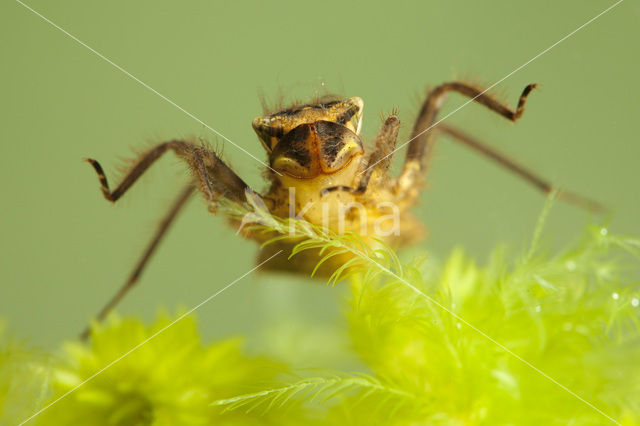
<point>272,128</point>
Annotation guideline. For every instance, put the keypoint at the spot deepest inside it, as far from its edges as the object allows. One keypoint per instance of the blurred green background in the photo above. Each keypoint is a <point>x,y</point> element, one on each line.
<point>65,250</point>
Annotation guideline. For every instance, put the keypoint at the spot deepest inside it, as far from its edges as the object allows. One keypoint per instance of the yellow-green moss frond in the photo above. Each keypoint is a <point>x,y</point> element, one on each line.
<point>24,379</point>
<point>171,379</point>
<point>317,390</point>
<point>529,339</point>
<point>539,339</point>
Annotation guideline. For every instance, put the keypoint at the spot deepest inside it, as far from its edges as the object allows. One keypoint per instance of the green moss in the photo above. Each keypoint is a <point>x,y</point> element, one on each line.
<point>528,340</point>
<point>169,380</point>
<point>24,379</point>
<point>537,340</point>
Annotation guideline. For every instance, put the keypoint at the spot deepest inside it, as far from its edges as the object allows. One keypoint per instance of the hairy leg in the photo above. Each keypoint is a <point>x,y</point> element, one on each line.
<point>211,175</point>
<point>423,135</point>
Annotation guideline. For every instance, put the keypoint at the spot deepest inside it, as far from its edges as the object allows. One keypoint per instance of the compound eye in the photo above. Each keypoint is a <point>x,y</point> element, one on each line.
<point>337,144</point>
<point>351,114</point>
<point>268,132</point>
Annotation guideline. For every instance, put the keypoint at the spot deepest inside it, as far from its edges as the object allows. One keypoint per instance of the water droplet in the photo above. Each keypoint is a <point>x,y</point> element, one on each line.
<point>571,265</point>
<point>615,296</point>
<point>604,231</point>
<point>537,308</point>
<point>458,325</point>
<point>635,302</point>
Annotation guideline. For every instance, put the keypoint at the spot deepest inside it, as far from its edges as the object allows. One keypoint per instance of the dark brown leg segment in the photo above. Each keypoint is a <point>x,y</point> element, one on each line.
<point>215,178</point>
<point>178,204</point>
<point>211,175</point>
<point>526,174</point>
<point>422,138</point>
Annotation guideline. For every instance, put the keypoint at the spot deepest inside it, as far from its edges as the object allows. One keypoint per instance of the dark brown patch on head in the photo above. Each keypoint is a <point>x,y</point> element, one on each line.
<point>337,145</point>
<point>309,150</point>
<point>348,115</point>
<point>332,140</point>
<point>296,145</point>
<point>293,155</point>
